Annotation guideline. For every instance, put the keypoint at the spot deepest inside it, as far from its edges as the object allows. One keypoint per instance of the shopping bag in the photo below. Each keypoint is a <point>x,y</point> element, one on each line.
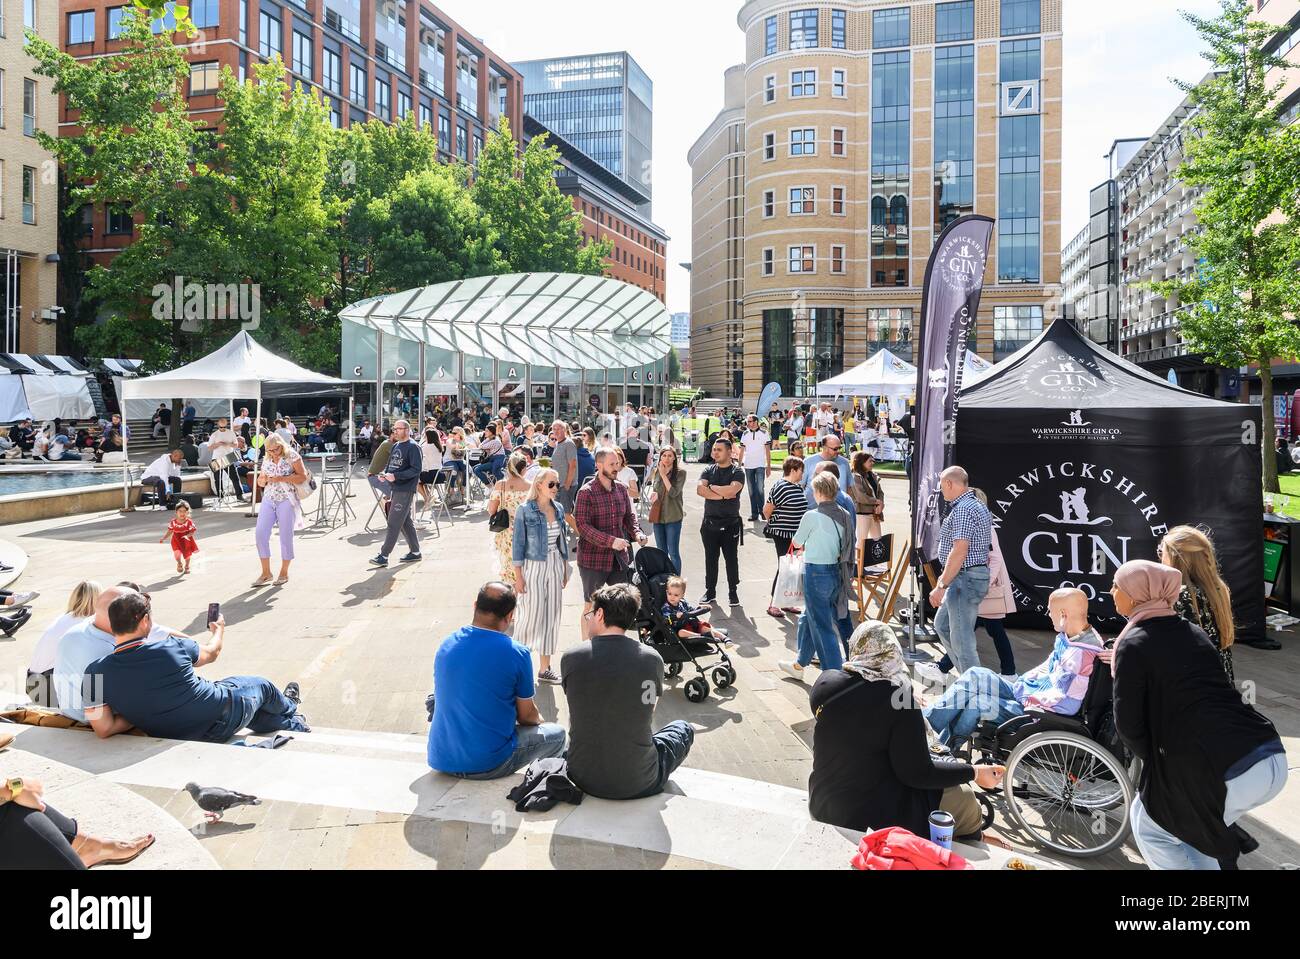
<point>789,582</point>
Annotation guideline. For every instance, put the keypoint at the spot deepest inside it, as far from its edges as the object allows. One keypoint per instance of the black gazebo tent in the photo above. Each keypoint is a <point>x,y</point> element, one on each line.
<point>1088,460</point>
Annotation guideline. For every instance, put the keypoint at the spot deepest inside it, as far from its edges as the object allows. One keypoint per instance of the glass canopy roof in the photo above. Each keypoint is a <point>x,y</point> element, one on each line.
<point>546,319</point>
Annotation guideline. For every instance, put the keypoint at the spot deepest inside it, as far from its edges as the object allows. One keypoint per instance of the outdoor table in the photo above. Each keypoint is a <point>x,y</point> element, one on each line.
<point>326,493</point>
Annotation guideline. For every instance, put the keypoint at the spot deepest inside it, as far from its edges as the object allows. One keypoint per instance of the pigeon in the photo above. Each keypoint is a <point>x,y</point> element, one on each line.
<point>215,801</point>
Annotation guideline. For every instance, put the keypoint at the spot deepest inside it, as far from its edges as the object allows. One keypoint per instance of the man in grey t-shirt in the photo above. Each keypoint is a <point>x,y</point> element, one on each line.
<point>564,460</point>
<point>612,684</point>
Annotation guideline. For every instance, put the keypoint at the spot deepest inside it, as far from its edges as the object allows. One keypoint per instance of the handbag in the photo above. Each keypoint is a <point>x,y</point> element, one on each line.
<point>304,490</point>
<point>789,581</point>
<point>657,507</point>
<point>500,521</point>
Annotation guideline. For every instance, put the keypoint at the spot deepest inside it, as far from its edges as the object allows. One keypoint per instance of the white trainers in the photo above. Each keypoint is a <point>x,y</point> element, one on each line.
<point>929,672</point>
<point>22,599</point>
<point>791,668</point>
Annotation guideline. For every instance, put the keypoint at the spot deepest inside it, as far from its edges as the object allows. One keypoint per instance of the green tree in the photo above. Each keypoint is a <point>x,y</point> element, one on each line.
<point>1240,305</point>
<point>675,374</point>
<point>537,229</point>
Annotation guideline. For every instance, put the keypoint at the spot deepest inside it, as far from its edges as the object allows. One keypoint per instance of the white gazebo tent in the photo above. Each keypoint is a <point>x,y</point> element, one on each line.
<point>242,369</point>
<point>883,375</point>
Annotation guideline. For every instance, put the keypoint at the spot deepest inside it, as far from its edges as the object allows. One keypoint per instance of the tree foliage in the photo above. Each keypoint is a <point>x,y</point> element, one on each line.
<point>1241,303</point>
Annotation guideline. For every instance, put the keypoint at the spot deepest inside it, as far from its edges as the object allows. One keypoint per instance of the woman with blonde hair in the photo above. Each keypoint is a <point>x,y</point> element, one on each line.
<point>282,472</point>
<point>540,555</point>
<point>508,494</point>
<point>1204,599</point>
<point>40,672</point>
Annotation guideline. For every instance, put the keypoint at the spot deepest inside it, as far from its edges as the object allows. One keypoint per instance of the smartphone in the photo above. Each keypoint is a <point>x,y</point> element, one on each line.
<point>214,612</point>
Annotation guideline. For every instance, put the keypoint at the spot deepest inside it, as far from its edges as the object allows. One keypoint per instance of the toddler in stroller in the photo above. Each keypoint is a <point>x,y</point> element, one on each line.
<point>683,618</point>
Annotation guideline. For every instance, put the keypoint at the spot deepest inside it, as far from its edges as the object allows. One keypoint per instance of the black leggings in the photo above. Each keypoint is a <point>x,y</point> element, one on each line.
<point>36,840</point>
<point>782,543</point>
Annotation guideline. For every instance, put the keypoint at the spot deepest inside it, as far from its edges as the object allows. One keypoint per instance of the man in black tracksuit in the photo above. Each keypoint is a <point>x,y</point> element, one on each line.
<point>403,473</point>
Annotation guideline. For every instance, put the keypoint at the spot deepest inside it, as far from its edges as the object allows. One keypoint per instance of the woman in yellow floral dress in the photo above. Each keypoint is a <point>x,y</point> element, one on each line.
<point>508,494</point>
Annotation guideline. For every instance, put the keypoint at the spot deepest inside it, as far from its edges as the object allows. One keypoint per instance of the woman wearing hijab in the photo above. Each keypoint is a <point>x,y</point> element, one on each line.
<point>1208,757</point>
<point>872,765</point>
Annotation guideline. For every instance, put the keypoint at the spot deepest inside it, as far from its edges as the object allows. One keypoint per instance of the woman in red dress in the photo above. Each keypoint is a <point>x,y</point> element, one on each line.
<point>184,545</point>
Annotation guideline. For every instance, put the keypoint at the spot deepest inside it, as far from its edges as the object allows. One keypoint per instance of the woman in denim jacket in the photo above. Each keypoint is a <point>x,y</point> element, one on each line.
<point>541,560</point>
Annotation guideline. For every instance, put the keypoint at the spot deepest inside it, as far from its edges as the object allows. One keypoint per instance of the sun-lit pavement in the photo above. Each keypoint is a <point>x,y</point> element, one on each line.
<point>361,643</point>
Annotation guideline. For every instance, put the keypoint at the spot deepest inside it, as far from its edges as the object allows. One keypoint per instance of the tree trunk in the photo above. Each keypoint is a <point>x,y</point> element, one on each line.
<point>1269,439</point>
<point>174,428</point>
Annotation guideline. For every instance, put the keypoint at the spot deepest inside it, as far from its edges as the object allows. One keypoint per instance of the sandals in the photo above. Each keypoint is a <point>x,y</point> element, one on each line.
<point>281,580</point>
<point>180,566</point>
<point>775,613</point>
<point>122,861</point>
<point>261,581</point>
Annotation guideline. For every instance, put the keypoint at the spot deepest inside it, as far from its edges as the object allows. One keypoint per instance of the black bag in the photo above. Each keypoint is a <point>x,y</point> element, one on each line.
<point>500,521</point>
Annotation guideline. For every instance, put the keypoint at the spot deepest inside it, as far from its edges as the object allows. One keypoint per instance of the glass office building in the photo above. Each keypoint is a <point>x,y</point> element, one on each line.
<point>601,103</point>
<point>546,344</point>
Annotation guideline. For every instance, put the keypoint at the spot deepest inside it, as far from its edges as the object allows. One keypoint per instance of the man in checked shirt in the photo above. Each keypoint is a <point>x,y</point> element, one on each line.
<point>964,547</point>
<point>606,528</point>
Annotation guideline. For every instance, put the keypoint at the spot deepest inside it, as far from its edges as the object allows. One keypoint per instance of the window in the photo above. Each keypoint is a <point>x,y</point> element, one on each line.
<point>769,90</point>
<point>891,28</point>
<point>769,204</point>
<point>1021,60</point>
<point>243,23</point>
<point>358,85</point>
<point>119,221</point>
<point>302,54</point>
<point>426,115</point>
<point>837,142</point>
<point>839,83</point>
<point>803,259</point>
<point>954,21</point>
<point>332,71</point>
<point>115,22</point>
<point>81,27</point>
<point>954,133</point>
<point>769,42</point>
<point>838,32</point>
<point>205,13</point>
<point>803,29</point>
<point>803,142</point>
<point>803,83</point>
<point>271,42</point>
<point>838,206</point>
<point>383,99</point>
<point>29,107</point>
<point>29,14</point>
<point>1014,326</point>
<point>444,133</point>
<point>890,167</point>
<point>801,348</point>
<point>29,194</point>
<point>462,140</point>
<point>204,77</point>
<point>2,99</point>
<point>803,200</point>
<point>1021,16</point>
<point>403,104</point>
<point>837,259</point>
<point>86,219</point>
<point>769,146</point>
<point>769,261</point>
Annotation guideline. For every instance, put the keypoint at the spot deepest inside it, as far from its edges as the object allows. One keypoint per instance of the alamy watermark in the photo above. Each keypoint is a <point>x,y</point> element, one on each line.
<point>197,304</point>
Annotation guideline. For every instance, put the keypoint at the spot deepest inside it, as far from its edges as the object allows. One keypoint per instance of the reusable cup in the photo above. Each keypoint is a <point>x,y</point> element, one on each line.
<point>941,826</point>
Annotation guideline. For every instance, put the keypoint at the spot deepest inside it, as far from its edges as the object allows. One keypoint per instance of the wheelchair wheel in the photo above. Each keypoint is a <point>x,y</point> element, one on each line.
<point>1070,794</point>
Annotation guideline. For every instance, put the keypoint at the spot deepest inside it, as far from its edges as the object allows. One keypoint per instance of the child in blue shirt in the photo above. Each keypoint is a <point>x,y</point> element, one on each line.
<point>679,615</point>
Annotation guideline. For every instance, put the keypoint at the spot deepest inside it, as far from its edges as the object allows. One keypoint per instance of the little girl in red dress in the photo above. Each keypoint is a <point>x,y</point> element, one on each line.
<point>182,529</point>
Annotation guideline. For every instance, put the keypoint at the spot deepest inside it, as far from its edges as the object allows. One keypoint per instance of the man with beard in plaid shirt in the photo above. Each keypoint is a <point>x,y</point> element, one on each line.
<point>606,528</point>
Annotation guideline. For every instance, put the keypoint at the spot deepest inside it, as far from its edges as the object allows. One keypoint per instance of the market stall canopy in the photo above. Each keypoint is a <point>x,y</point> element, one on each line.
<point>545,319</point>
<point>884,374</point>
<point>242,369</point>
<point>43,387</point>
<point>1087,461</point>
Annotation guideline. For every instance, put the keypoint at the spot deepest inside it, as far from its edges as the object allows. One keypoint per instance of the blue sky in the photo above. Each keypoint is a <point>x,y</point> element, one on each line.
<point>1119,57</point>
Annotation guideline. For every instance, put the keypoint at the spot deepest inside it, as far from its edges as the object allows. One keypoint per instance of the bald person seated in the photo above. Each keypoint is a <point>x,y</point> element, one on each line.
<point>1056,686</point>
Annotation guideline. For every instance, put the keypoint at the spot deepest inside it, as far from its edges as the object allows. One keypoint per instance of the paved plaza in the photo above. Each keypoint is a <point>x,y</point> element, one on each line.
<point>357,792</point>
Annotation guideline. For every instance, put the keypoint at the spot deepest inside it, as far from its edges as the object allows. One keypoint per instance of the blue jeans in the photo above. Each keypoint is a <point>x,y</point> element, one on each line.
<point>673,743</point>
<point>531,742</point>
<point>955,621</point>
<point>818,627</point>
<point>668,537</point>
<point>1256,786</point>
<point>977,694</point>
<point>489,471</point>
<point>257,703</point>
<point>1001,642</point>
<point>754,481</point>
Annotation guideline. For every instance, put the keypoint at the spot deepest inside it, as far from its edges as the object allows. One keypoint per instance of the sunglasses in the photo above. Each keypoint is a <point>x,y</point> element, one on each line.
<point>552,485</point>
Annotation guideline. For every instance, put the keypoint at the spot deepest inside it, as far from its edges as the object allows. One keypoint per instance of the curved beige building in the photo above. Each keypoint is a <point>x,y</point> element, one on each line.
<point>852,134</point>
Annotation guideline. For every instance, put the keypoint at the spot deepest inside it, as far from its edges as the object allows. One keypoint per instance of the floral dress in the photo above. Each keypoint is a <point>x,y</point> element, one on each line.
<point>1205,619</point>
<point>505,540</point>
<point>183,537</point>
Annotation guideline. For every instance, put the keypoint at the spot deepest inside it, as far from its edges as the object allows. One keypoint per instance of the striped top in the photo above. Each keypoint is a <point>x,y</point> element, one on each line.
<point>788,507</point>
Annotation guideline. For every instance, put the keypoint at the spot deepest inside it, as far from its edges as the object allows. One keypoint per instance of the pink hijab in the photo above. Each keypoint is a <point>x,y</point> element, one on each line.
<point>1152,586</point>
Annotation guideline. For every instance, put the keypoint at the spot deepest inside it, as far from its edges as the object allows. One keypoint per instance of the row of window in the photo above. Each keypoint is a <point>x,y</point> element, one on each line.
<point>803,143</point>
<point>598,215</point>
<point>892,27</point>
<point>803,201</point>
<point>29,193</point>
<point>631,260</point>
<point>803,84</point>
<point>29,104</point>
<point>81,23</point>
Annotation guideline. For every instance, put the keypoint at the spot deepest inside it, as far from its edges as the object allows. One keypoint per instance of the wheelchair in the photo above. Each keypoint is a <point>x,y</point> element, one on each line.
<point>1070,783</point>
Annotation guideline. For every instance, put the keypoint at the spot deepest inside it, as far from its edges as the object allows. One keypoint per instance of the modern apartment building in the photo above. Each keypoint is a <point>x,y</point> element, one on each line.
<point>854,132</point>
<point>609,208</point>
<point>603,104</point>
<point>369,59</point>
<point>1074,277</point>
<point>28,183</point>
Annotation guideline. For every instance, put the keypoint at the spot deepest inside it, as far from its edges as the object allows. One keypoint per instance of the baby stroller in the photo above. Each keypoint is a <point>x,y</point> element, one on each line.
<point>653,568</point>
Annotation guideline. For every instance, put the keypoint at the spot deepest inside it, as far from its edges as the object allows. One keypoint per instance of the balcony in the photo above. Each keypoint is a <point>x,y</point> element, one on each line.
<point>336,22</point>
<point>1158,354</point>
<point>390,56</point>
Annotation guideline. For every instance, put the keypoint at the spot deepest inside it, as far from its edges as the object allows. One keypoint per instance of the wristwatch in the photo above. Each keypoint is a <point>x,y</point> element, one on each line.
<point>15,787</point>
<point>940,583</point>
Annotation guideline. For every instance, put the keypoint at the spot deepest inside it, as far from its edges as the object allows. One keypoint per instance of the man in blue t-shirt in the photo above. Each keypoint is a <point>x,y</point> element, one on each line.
<point>485,723</point>
<point>151,684</point>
